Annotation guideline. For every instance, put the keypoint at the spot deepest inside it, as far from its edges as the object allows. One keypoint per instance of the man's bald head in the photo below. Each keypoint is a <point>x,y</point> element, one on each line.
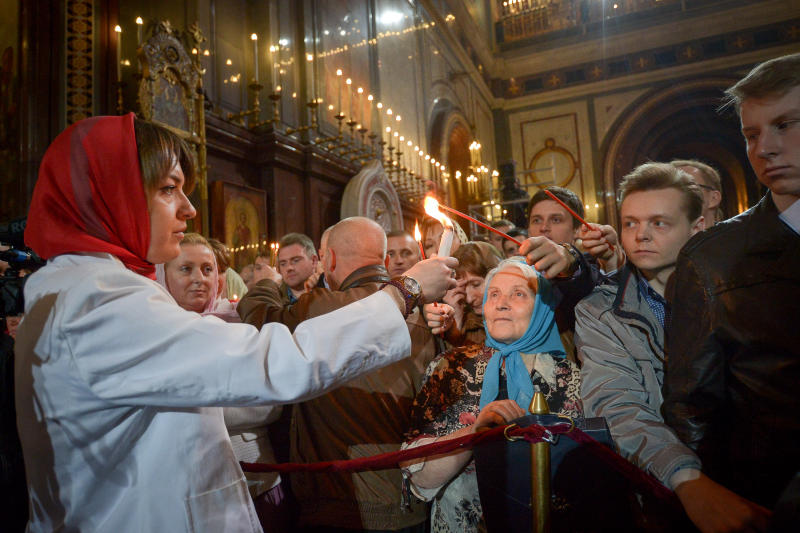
<point>353,243</point>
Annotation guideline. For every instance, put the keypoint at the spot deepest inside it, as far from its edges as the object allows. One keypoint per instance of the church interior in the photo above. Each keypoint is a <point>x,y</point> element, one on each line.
<point>478,101</point>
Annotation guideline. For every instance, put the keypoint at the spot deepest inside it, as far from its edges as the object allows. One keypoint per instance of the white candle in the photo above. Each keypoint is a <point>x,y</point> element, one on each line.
<point>310,59</point>
<point>446,242</point>
<point>139,23</point>
<point>118,30</point>
<point>254,38</point>
<point>339,101</point>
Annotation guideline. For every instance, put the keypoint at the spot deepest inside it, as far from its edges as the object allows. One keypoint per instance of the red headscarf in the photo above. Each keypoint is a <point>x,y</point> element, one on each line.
<point>90,197</point>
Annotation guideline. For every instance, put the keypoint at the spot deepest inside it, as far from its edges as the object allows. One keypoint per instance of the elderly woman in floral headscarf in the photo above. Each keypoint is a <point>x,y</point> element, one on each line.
<point>481,385</point>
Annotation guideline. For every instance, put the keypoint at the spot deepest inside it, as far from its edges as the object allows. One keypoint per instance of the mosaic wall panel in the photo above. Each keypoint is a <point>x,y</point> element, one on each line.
<point>79,44</point>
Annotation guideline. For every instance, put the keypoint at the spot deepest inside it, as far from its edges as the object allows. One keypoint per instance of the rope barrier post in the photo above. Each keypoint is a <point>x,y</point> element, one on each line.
<point>540,473</point>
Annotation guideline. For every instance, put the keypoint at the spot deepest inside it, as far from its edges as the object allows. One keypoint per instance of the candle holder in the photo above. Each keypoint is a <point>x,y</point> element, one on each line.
<point>312,109</point>
<point>381,143</point>
<point>350,143</point>
<point>275,96</point>
<point>250,114</point>
<point>120,100</point>
<point>329,141</point>
<point>372,136</point>
<point>390,160</point>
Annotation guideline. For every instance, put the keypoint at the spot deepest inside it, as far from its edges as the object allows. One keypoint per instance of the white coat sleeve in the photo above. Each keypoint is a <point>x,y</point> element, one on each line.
<point>133,345</point>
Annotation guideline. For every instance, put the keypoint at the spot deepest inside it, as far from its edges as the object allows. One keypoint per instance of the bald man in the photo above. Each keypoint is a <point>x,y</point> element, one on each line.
<point>365,416</point>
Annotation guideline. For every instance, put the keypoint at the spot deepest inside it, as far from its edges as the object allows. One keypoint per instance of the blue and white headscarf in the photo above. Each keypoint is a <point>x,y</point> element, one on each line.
<point>541,336</point>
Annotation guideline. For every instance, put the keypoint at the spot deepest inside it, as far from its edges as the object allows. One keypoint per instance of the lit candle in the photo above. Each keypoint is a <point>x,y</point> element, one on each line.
<point>310,60</point>
<point>139,23</point>
<point>446,242</point>
<point>360,92</point>
<point>370,99</point>
<point>339,101</point>
<point>118,30</point>
<point>349,82</point>
<point>254,38</point>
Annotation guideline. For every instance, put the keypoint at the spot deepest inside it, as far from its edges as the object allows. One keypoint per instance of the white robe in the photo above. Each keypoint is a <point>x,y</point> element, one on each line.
<point>119,391</point>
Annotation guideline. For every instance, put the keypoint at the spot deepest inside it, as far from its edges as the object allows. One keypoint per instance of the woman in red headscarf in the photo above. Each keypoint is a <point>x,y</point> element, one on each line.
<point>118,389</point>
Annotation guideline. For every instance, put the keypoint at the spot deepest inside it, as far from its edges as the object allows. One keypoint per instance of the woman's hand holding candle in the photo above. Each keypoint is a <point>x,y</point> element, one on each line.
<point>439,318</point>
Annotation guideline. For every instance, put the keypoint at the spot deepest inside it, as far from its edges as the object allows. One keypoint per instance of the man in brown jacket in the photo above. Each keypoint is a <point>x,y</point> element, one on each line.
<point>366,416</point>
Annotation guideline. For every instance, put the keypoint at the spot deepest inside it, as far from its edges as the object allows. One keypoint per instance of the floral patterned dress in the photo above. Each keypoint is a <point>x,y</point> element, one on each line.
<point>448,401</point>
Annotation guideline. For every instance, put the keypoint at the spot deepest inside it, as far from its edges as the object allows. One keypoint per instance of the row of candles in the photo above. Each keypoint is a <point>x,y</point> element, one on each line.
<point>273,250</point>
<point>361,107</point>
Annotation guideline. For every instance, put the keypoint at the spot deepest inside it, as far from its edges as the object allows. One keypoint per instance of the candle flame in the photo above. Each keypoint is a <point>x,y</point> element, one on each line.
<point>118,28</point>
<point>417,234</point>
<point>253,37</point>
<point>338,72</point>
<point>309,57</point>
<point>432,210</point>
<point>139,21</point>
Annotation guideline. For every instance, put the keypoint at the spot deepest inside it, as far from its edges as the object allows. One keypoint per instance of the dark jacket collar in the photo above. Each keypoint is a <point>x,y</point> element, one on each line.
<point>364,275</point>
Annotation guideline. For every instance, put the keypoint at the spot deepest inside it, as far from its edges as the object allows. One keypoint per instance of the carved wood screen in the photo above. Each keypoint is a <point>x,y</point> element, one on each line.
<point>171,94</point>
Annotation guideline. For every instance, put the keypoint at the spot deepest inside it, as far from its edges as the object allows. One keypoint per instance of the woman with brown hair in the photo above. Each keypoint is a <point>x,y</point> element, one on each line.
<point>118,390</point>
<point>460,318</point>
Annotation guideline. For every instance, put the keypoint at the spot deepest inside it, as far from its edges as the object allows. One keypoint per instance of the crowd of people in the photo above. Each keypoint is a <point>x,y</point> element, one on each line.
<point>147,367</point>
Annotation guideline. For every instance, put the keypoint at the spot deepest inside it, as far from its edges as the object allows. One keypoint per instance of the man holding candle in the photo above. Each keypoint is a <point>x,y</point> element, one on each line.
<point>365,416</point>
<point>547,217</point>
<point>731,391</point>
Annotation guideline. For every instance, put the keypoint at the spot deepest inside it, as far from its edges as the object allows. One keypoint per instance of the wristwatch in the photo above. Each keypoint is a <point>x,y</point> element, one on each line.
<point>574,262</point>
<point>409,288</point>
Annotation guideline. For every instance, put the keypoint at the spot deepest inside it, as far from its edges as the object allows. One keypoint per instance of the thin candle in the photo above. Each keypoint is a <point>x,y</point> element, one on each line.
<point>139,23</point>
<point>339,101</point>
<point>310,60</point>
<point>254,38</point>
<point>118,30</point>
<point>349,82</point>
<point>432,209</point>
<point>573,213</point>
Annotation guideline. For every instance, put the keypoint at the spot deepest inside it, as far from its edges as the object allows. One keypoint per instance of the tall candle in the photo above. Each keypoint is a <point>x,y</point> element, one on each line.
<point>254,38</point>
<point>118,30</point>
<point>349,82</point>
<point>310,60</point>
<point>360,107</point>
<point>447,241</point>
<point>339,101</point>
<point>139,23</point>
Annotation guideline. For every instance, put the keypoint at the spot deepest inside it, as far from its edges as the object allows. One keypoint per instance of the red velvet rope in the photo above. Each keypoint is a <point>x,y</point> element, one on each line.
<point>533,433</point>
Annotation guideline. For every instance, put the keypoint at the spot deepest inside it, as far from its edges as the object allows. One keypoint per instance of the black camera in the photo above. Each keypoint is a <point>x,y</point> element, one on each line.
<point>19,259</point>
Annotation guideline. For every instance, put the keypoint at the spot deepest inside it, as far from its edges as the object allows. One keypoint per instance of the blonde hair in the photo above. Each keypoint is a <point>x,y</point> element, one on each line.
<point>771,78</point>
<point>657,176</point>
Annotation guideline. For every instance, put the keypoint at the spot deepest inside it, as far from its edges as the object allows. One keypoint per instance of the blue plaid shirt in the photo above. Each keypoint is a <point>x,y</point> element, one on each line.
<point>656,302</point>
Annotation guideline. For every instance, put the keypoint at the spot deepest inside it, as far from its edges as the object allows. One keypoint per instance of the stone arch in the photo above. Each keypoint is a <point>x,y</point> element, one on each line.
<point>450,134</point>
<point>681,121</point>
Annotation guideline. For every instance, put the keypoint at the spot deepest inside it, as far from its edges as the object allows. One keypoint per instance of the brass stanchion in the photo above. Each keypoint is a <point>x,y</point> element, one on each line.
<point>540,472</point>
